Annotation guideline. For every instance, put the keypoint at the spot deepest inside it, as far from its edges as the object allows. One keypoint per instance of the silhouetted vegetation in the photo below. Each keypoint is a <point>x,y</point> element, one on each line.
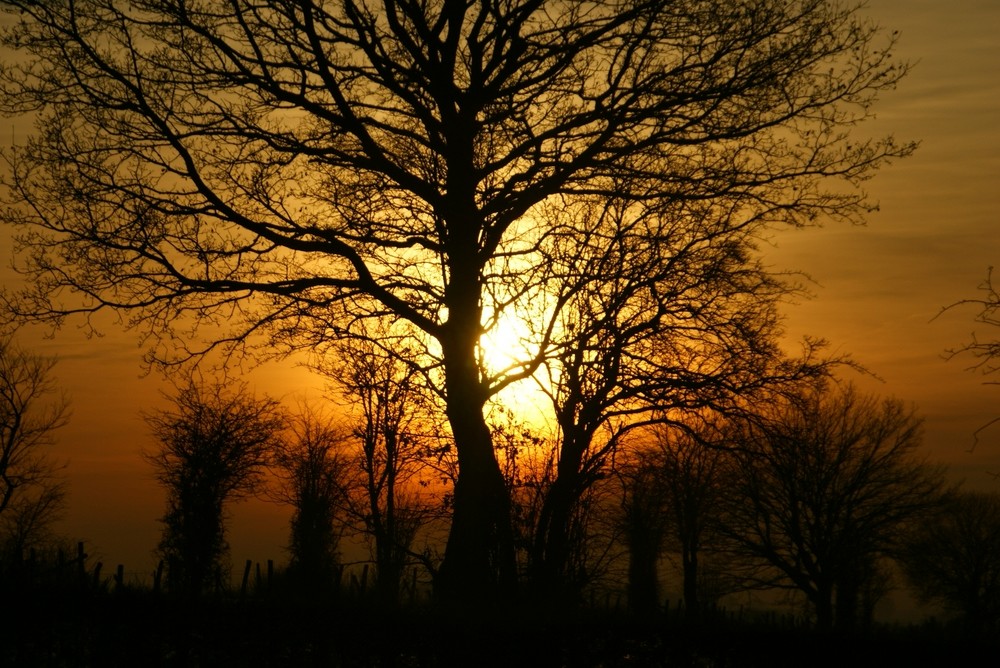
<point>212,449</point>
<point>381,186</point>
<point>32,492</point>
<point>824,484</point>
<point>72,615</point>
<point>953,557</point>
<point>280,172</point>
<point>312,469</point>
<point>689,468</point>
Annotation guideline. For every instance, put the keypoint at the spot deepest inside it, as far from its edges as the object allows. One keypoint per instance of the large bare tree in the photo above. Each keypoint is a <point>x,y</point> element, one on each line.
<point>650,316</point>
<point>268,166</point>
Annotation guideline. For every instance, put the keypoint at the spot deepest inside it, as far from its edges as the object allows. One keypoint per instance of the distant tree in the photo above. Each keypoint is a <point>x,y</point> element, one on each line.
<point>821,488</point>
<point>212,449</point>
<point>274,166</point>
<point>393,452</point>
<point>953,558</point>
<point>689,465</point>
<point>643,519</point>
<point>312,465</point>
<point>32,494</point>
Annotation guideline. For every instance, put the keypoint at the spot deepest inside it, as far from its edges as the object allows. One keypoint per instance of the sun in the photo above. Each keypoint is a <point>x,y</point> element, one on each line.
<point>505,345</point>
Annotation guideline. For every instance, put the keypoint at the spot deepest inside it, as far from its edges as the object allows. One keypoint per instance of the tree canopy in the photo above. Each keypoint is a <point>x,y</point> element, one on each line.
<point>276,171</point>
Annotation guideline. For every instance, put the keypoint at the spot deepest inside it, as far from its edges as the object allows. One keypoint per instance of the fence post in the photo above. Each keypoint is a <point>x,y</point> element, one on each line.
<point>246,578</point>
<point>157,575</point>
<point>81,558</point>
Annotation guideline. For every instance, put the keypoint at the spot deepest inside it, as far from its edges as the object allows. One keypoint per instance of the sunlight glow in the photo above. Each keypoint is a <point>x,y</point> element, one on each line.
<point>506,345</point>
<point>503,349</point>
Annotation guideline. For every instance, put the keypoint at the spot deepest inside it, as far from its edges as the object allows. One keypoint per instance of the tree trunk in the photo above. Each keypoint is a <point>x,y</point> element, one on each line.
<point>692,604</point>
<point>643,581</point>
<point>822,599</point>
<point>550,547</point>
<point>848,600</point>
<point>479,563</point>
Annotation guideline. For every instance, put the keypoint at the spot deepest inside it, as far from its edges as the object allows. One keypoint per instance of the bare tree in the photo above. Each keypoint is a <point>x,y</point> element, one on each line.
<point>212,449</point>
<point>650,317</point>
<point>313,466</point>
<point>393,455</point>
<point>284,167</point>
<point>32,493</point>
<point>690,467</point>
<point>822,487</point>
<point>953,557</point>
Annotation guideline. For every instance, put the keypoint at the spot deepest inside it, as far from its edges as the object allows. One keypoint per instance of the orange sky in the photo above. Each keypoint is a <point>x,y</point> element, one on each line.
<point>877,290</point>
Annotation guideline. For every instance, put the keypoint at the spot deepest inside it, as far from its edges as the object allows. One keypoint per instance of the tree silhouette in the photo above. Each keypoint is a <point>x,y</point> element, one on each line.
<point>643,520</point>
<point>393,451</point>
<point>689,465</point>
<point>32,494</point>
<point>953,557</point>
<point>649,317</point>
<point>213,447</point>
<point>285,168</point>
<point>313,468</point>
<point>987,351</point>
<point>822,487</point>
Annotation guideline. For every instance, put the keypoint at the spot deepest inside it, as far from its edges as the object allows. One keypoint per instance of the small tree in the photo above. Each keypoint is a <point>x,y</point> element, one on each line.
<point>313,467</point>
<point>31,492</point>
<point>391,435</point>
<point>643,520</point>
<point>822,486</point>
<point>213,447</point>
<point>690,467</point>
<point>953,558</point>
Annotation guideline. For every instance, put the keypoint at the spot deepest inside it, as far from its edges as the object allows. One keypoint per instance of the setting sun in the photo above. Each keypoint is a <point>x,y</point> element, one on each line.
<point>506,344</point>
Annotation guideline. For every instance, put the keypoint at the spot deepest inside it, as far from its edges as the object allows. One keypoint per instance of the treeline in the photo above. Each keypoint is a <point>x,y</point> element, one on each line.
<point>820,491</point>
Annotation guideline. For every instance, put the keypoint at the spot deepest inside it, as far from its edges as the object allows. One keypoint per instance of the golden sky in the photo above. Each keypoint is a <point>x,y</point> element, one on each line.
<point>877,290</point>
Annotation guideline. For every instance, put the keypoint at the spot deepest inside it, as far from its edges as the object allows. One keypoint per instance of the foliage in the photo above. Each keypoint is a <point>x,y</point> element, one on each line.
<point>212,449</point>
<point>312,468</point>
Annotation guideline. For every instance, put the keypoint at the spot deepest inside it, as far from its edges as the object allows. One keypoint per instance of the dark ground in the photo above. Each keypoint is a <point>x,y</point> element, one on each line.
<point>69,627</point>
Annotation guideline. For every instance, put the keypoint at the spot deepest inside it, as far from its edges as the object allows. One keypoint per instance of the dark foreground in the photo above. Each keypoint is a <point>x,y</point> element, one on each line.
<point>137,628</point>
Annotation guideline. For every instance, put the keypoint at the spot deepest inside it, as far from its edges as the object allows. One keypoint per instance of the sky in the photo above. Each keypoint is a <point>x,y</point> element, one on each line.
<point>878,292</point>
